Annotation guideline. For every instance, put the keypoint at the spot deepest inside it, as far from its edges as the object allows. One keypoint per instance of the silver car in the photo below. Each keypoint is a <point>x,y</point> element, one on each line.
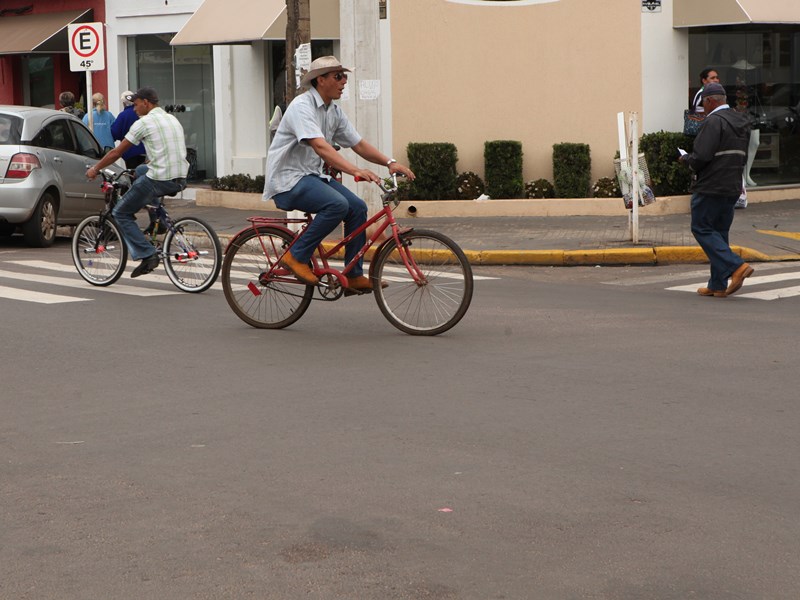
<point>44,155</point>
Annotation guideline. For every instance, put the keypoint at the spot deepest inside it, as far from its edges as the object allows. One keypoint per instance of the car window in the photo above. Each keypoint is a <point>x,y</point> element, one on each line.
<point>56,135</point>
<point>10,129</point>
<point>87,144</point>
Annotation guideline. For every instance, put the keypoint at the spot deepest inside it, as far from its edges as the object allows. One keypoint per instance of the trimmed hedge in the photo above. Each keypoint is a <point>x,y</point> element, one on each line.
<point>572,170</point>
<point>238,183</point>
<point>503,165</point>
<point>434,164</point>
<point>670,178</point>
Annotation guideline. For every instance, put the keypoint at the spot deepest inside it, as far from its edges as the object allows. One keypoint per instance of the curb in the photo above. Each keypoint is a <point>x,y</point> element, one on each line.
<point>657,255</point>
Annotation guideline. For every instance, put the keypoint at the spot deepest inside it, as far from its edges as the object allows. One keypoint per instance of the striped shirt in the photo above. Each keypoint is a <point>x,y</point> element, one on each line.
<point>290,158</point>
<point>163,139</point>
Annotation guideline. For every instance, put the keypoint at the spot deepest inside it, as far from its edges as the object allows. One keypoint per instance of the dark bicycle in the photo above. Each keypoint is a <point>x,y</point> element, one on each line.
<point>190,249</point>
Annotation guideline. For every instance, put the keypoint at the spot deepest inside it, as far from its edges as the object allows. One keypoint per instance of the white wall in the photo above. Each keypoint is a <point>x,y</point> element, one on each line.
<point>239,79</point>
<point>665,71</point>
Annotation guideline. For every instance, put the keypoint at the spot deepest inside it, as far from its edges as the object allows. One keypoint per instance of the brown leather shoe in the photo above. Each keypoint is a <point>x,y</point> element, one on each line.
<point>360,285</point>
<point>299,270</point>
<point>737,278</point>
<point>709,292</point>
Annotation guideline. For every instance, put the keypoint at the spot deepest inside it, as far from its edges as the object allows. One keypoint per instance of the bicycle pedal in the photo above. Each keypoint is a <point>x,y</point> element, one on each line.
<point>355,292</point>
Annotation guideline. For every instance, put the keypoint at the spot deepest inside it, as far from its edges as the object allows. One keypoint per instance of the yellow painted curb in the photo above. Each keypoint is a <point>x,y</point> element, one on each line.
<point>679,254</point>
<point>611,256</point>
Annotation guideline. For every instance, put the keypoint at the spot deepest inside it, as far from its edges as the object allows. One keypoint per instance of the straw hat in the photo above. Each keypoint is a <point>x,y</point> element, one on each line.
<point>321,66</point>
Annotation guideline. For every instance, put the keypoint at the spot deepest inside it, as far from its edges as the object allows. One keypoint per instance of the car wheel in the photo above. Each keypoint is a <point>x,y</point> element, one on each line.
<point>40,231</point>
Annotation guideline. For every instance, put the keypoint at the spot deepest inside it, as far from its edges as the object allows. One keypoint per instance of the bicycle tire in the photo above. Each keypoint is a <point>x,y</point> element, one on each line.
<point>431,308</point>
<point>192,255</point>
<point>100,263</point>
<point>270,305</point>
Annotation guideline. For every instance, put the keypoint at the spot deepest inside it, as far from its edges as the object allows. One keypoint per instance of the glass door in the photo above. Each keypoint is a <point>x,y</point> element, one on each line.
<point>183,76</point>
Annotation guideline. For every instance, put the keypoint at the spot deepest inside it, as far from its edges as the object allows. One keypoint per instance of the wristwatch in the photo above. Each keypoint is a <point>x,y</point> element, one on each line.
<point>391,160</point>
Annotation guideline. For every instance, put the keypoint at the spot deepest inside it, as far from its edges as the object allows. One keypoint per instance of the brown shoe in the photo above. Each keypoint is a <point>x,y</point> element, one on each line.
<point>709,292</point>
<point>299,270</point>
<point>360,285</point>
<point>737,278</point>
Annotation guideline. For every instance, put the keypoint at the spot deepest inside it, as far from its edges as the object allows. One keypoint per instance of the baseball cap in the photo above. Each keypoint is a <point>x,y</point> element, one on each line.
<point>145,93</point>
<point>125,94</point>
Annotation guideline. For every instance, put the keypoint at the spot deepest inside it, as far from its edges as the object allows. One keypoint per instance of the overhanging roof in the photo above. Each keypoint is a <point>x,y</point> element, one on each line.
<point>244,21</point>
<point>707,13</point>
<point>44,33</point>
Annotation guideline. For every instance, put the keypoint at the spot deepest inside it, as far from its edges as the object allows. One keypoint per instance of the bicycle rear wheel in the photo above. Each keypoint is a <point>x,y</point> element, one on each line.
<point>257,300</point>
<point>437,302</point>
<point>192,255</point>
<point>98,251</point>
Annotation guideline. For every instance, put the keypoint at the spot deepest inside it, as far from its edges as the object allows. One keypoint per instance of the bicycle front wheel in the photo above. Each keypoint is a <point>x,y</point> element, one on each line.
<point>257,299</point>
<point>98,251</point>
<point>192,255</point>
<point>440,294</point>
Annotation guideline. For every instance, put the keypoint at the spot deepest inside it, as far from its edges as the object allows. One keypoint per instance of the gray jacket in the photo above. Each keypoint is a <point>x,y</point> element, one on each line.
<point>720,154</point>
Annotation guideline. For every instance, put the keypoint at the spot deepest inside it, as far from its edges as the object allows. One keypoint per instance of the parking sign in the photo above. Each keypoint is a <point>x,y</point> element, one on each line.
<point>86,47</point>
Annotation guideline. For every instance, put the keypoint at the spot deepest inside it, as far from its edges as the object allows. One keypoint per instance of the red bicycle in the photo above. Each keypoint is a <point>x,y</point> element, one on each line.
<point>428,278</point>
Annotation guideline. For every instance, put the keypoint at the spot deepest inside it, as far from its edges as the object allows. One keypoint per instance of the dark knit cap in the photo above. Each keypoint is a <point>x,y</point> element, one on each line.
<point>713,89</point>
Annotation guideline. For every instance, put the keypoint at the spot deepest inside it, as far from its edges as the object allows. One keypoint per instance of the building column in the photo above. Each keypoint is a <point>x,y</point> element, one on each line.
<point>361,50</point>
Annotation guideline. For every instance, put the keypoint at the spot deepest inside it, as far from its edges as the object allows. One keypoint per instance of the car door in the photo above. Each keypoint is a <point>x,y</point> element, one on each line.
<point>89,151</point>
<point>58,145</point>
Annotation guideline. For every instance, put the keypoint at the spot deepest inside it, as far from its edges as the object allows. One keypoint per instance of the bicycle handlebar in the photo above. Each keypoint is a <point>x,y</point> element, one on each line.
<point>382,184</point>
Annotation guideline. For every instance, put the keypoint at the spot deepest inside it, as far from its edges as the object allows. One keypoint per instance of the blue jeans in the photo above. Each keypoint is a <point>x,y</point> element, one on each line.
<point>332,203</point>
<point>712,217</point>
<point>144,191</point>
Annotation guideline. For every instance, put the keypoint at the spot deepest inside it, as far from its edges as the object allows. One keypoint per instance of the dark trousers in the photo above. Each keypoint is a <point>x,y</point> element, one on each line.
<point>712,217</point>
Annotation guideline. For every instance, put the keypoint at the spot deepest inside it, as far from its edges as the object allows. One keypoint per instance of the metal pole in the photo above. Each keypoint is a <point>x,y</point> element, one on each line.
<point>635,177</point>
<point>89,103</point>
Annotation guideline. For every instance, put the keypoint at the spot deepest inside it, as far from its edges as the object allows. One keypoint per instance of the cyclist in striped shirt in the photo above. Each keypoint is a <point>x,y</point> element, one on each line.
<point>164,141</point>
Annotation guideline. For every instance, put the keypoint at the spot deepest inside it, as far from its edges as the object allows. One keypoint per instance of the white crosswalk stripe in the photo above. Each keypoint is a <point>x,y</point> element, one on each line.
<point>49,287</point>
<point>765,285</point>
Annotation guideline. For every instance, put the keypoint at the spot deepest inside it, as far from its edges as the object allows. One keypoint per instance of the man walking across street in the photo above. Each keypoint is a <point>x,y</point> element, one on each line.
<point>718,160</point>
<point>165,144</point>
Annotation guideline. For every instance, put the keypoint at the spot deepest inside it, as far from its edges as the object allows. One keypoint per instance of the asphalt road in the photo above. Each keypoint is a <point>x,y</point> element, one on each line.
<point>583,433</point>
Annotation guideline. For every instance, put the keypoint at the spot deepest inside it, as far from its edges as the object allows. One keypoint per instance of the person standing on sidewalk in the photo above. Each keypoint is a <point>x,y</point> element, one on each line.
<point>136,155</point>
<point>718,160</point>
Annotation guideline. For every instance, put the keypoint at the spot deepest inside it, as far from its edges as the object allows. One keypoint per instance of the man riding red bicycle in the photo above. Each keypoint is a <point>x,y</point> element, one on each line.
<point>303,145</point>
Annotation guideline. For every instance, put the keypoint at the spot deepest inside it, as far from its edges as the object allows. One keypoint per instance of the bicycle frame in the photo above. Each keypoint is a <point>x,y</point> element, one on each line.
<point>320,260</point>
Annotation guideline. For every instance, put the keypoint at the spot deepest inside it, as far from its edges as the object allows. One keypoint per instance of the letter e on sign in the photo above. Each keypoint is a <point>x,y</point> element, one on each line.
<point>86,47</point>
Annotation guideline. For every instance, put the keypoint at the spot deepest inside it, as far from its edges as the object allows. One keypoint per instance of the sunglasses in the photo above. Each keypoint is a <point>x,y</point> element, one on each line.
<point>340,76</point>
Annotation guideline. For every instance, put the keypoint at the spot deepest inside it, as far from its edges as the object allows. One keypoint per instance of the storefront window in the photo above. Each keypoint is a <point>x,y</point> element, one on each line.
<point>184,79</point>
<point>760,69</point>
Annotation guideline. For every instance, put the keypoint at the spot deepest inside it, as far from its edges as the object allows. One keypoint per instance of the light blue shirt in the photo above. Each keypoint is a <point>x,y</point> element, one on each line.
<point>290,157</point>
<point>101,121</point>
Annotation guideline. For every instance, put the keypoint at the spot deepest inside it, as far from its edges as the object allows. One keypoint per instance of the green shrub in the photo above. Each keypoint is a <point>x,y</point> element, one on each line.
<point>434,164</point>
<point>469,186</point>
<point>572,170</point>
<point>670,177</point>
<point>539,188</point>
<point>238,183</point>
<point>606,187</point>
<point>503,162</point>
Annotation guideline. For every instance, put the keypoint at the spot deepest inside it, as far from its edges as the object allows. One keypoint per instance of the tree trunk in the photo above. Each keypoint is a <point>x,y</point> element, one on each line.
<point>298,31</point>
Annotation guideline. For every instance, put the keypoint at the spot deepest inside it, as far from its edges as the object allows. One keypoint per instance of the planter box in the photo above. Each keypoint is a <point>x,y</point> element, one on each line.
<point>550,207</point>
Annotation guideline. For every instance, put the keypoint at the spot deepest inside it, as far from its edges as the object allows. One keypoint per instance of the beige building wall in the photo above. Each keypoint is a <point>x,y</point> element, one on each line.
<point>540,74</point>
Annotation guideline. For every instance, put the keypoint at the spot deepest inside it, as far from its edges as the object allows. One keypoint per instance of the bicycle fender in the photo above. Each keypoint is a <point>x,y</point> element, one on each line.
<point>383,244</point>
<point>236,238</point>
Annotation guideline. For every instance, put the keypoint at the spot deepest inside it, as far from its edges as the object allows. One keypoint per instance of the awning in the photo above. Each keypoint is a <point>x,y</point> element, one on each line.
<point>244,21</point>
<point>691,13</point>
<point>44,33</point>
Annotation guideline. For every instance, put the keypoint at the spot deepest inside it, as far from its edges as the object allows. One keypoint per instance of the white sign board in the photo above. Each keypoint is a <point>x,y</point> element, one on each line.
<point>302,61</point>
<point>369,89</point>
<point>86,47</point>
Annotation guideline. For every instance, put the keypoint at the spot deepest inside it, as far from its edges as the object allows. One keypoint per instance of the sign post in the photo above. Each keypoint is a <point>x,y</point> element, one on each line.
<point>87,54</point>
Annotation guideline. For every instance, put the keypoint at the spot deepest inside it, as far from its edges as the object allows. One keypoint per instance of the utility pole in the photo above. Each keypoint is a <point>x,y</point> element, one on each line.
<point>298,31</point>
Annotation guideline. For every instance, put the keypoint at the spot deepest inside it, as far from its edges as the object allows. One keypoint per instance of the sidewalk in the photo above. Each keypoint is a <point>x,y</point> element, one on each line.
<point>765,231</point>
